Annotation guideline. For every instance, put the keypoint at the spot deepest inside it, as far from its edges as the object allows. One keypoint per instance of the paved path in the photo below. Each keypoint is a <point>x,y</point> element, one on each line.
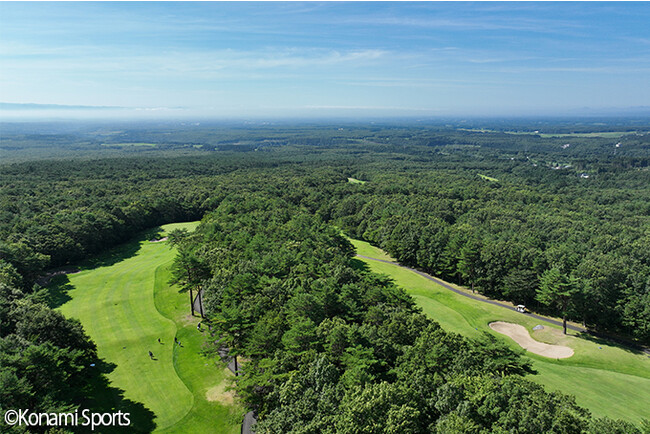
<point>249,421</point>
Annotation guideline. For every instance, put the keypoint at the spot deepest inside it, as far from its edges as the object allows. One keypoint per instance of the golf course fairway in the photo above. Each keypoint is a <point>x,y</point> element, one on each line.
<point>606,379</point>
<point>125,304</point>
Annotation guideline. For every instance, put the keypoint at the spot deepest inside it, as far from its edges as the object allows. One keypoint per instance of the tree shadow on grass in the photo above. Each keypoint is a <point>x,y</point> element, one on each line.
<point>101,397</point>
<point>359,265</point>
<point>599,339</point>
<point>123,251</point>
<point>57,291</point>
<point>59,285</point>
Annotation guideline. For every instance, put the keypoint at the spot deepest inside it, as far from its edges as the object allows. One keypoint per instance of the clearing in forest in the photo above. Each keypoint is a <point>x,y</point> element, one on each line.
<point>488,178</point>
<point>125,304</point>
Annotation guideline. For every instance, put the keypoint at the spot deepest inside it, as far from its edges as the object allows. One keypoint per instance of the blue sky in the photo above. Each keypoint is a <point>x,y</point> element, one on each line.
<point>327,59</point>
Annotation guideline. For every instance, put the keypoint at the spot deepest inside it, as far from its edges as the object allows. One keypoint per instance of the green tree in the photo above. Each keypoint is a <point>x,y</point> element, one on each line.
<point>469,260</point>
<point>557,290</point>
<point>188,270</point>
<point>231,324</point>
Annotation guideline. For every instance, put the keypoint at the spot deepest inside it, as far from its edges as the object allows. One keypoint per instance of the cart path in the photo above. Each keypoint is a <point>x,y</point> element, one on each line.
<point>505,306</point>
<point>474,297</point>
<point>249,421</point>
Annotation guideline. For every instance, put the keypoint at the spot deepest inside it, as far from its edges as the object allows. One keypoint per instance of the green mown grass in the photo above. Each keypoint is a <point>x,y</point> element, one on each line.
<point>197,371</point>
<point>605,378</point>
<point>488,178</point>
<point>355,181</point>
<point>125,304</point>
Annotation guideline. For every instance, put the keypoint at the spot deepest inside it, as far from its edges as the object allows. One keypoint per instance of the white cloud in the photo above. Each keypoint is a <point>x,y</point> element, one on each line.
<point>486,23</point>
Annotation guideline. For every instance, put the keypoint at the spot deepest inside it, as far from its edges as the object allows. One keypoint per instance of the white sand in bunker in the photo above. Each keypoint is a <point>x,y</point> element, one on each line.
<point>522,337</point>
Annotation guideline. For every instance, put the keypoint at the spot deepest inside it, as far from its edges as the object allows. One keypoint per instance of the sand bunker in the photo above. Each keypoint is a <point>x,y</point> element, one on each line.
<point>158,240</point>
<point>522,337</point>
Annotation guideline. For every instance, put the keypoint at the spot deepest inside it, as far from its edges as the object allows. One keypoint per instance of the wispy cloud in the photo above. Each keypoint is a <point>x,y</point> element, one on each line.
<point>486,23</point>
<point>579,69</point>
<point>204,64</point>
<point>348,54</point>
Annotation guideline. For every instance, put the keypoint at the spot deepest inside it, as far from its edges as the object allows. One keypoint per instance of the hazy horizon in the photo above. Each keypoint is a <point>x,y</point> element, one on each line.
<point>322,60</point>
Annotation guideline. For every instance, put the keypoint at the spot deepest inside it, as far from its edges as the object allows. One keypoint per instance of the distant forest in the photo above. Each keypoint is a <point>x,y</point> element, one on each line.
<point>509,209</point>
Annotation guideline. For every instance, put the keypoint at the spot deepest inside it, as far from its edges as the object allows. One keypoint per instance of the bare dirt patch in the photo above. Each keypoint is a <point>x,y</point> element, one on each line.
<point>520,335</point>
<point>219,393</point>
<point>190,319</point>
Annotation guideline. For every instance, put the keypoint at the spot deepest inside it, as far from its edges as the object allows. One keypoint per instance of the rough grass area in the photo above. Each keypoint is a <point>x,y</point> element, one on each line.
<point>607,379</point>
<point>356,181</point>
<point>125,304</point>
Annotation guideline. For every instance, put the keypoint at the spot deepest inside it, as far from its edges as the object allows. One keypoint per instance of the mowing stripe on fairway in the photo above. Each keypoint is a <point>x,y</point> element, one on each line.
<point>117,305</point>
<point>607,379</point>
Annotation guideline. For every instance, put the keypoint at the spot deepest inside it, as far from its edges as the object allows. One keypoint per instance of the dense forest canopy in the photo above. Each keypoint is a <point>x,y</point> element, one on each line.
<point>491,210</point>
<point>552,215</point>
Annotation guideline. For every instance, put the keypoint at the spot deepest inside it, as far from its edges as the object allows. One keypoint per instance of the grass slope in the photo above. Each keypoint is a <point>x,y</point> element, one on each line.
<point>606,379</point>
<point>124,303</point>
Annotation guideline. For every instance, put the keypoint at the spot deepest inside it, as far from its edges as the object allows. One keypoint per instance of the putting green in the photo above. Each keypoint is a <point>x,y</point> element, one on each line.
<point>607,379</point>
<point>126,305</point>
